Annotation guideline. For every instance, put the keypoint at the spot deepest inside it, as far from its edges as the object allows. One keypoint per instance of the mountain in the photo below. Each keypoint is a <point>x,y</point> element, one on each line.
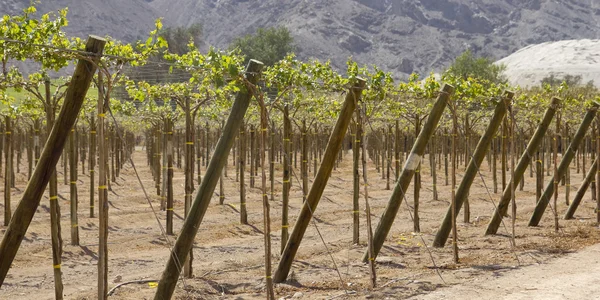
<point>128,20</point>
<point>400,36</point>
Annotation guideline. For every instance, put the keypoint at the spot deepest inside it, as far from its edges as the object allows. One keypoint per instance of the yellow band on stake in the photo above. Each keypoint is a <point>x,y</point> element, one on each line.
<point>56,266</point>
<point>75,225</point>
<point>102,187</point>
<point>101,115</point>
<point>73,182</point>
<point>189,143</point>
<point>53,197</point>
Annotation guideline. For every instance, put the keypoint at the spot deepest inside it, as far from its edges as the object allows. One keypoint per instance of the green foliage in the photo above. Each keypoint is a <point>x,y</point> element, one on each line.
<point>25,37</point>
<point>553,80</point>
<point>267,45</point>
<point>467,65</point>
<point>179,37</point>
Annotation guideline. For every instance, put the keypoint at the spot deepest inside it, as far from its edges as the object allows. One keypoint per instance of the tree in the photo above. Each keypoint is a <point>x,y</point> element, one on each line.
<point>269,45</point>
<point>468,65</point>
<point>178,38</point>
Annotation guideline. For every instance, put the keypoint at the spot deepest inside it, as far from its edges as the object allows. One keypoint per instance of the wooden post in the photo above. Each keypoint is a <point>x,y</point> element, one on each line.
<point>242,167</point>
<point>189,175</point>
<point>92,163</point>
<point>102,193</point>
<point>564,163</point>
<point>287,162</point>
<point>55,228</point>
<point>304,158</point>
<point>185,240</point>
<point>73,189</point>
<point>272,161</point>
<point>473,168</point>
<point>356,148</point>
<point>597,150</point>
<point>417,183</point>
<point>524,161</point>
<point>169,180</point>
<point>389,215</point>
<point>7,170</point>
<point>56,141</point>
<point>316,190</point>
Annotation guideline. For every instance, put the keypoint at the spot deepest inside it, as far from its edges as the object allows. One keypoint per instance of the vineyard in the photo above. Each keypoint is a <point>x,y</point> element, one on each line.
<point>150,174</point>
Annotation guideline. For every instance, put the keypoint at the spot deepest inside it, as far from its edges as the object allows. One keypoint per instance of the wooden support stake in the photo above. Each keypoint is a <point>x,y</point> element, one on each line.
<point>581,191</point>
<point>524,161</point>
<point>473,168</point>
<point>185,240</point>
<point>564,163</point>
<point>316,190</point>
<point>389,215</point>
<point>56,141</point>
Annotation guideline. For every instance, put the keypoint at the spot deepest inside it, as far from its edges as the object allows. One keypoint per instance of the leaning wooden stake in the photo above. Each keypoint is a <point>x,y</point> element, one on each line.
<point>389,215</point>
<point>56,141</point>
<point>524,161</point>
<point>581,191</point>
<point>184,242</point>
<point>473,168</point>
<point>564,163</point>
<point>316,190</point>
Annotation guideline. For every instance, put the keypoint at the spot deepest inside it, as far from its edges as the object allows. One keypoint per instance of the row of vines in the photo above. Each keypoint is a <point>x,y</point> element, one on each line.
<point>209,115</point>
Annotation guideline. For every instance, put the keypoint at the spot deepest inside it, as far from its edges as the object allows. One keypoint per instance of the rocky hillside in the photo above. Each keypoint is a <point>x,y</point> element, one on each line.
<point>400,36</point>
<point>128,20</point>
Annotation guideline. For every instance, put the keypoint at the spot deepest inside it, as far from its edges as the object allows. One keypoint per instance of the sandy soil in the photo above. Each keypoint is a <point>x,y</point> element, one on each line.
<point>528,66</point>
<point>229,256</point>
<point>574,276</point>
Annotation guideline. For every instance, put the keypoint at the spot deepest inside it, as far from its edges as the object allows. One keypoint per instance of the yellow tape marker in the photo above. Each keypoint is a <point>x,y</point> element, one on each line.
<point>56,266</point>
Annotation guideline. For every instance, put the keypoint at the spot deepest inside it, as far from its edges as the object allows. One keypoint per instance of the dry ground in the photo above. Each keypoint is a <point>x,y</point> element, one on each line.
<point>229,257</point>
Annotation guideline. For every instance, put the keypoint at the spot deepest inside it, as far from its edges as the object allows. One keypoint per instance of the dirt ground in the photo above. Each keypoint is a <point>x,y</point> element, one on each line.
<point>229,257</point>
